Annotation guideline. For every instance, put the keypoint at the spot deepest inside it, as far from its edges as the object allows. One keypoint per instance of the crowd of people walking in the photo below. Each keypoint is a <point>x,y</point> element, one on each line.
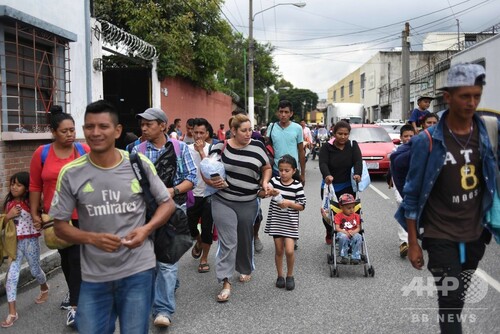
<point>97,204</point>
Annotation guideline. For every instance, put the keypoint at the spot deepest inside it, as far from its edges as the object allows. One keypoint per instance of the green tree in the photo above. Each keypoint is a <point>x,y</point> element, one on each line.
<point>236,75</point>
<point>303,100</point>
<point>190,35</point>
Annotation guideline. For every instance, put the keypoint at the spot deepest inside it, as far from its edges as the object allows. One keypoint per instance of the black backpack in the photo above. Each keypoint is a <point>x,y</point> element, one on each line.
<point>172,239</point>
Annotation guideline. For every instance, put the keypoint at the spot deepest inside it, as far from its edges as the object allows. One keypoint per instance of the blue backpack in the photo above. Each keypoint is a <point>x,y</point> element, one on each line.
<point>45,150</point>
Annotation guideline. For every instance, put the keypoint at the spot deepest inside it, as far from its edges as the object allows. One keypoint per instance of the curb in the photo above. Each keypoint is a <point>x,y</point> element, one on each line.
<point>48,261</point>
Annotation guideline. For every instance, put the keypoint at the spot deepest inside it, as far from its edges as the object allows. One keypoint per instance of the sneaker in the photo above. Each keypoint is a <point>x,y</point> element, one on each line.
<point>280,282</point>
<point>403,250</point>
<point>65,305</point>
<point>355,261</point>
<point>162,321</point>
<point>344,260</point>
<point>258,246</point>
<point>70,318</point>
<point>290,283</point>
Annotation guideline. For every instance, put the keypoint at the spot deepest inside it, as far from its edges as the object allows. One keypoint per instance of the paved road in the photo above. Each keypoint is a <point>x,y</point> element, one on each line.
<point>319,304</point>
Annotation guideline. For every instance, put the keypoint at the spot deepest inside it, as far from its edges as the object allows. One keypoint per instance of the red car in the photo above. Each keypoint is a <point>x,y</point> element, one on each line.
<point>376,145</point>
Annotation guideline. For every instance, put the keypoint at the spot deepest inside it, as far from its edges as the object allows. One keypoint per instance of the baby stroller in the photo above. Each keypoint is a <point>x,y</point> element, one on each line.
<point>331,207</point>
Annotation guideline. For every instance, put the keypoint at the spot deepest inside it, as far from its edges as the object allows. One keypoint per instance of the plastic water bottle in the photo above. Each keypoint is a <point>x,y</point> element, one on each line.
<point>279,199</point>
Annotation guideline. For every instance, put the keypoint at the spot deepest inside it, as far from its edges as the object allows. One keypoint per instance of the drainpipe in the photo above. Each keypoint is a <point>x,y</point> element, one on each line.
<point>88,53</point>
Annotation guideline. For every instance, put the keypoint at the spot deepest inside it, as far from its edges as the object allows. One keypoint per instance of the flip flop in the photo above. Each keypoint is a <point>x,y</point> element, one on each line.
<point>196,251</point>
<point>245,278</point>
<point>11,318</point>
<point>203,268</point>
<point>42,297</point>
<point>223,296</point>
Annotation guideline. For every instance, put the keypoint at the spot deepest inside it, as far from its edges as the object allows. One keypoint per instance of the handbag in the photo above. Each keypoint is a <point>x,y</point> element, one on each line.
<point>49,235</point>
<point>173,239</point>
<point>493,214</point>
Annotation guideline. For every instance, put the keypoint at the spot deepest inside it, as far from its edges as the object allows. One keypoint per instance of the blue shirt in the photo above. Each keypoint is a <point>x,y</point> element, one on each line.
<point>285,141</point>
<point>417,116</point>
<point>186,168</point>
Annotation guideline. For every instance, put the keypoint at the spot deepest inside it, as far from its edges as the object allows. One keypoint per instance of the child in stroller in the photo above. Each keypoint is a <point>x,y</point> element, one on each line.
<point>349,244</point>
<point>348,226</point>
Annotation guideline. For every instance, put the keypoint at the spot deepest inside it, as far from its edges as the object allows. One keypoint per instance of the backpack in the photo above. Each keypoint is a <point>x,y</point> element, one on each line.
<point>269,145</point>
<point>166,167</point>
<point>401,158</point>
<point>45,150</point>
<point>173,239</point>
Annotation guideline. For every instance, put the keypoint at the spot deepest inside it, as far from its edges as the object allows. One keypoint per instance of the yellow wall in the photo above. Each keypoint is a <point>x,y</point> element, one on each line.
<point>354,98</point>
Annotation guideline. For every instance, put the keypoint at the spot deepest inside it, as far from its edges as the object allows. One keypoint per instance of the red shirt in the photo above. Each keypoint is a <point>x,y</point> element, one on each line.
<point>44,178</point>
<point>347,222</point>
<point>221,134</point>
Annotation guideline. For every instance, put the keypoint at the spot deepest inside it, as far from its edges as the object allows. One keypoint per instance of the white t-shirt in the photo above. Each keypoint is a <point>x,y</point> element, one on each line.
<point>199,190</point>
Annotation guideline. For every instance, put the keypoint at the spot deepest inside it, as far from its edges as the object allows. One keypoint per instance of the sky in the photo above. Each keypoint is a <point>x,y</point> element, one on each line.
<point>327,39</point>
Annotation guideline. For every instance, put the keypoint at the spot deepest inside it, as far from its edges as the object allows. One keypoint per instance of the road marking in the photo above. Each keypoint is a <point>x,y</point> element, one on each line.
<point>487,278</point>
<point>384,196</point>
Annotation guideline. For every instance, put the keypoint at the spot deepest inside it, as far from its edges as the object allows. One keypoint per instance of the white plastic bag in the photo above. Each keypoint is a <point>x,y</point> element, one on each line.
<point>365,179</point>
<point>210,167</point>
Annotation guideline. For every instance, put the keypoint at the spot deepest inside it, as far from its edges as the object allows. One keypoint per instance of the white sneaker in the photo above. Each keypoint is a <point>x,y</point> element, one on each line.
<point>162,321</point>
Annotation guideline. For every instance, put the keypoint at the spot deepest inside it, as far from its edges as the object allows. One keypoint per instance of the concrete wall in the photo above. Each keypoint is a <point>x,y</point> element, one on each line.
<point>70,17</point>
<point>184,101</point>
<point>335,90</point>
<point>15,155</point>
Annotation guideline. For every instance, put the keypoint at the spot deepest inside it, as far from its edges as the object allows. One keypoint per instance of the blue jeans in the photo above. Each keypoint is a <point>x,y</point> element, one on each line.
<point>128,298</point>
<point>354,242</point>
<point>165,285</point>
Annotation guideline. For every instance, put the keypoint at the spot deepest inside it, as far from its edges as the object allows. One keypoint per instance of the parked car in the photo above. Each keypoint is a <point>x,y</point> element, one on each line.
<point>376,145</point>
<point>393,129</point>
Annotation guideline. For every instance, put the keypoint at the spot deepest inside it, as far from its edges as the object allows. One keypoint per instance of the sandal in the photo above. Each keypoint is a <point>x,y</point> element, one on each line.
<point>42,297</point>
<point>203,268</point>
<point>245,278</point>
<point>11,318</point>
<point>196,251</point>
<point>223,296</point>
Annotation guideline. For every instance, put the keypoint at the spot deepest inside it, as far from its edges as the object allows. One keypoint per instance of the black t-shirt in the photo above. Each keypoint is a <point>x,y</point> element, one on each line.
<point>453,209</point>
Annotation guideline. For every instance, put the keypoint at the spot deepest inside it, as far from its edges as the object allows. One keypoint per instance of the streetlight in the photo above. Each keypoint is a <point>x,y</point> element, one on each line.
<point>251,17</point>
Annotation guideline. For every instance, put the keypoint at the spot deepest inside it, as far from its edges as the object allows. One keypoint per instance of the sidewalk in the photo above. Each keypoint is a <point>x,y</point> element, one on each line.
<point>49,260</point>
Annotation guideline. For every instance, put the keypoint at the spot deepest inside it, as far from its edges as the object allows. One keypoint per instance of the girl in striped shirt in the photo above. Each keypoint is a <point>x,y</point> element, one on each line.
<point>283,217</point>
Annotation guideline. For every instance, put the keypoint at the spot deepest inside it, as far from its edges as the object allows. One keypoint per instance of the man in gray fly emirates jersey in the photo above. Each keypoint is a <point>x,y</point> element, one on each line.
<point>117,256</point>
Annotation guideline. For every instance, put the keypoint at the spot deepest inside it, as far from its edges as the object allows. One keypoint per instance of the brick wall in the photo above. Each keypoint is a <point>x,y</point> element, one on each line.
<point>15,156</point>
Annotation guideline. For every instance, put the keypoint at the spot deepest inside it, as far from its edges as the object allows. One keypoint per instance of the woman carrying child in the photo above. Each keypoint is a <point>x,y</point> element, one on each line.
<point>16,207</point>
<point>283,218</point>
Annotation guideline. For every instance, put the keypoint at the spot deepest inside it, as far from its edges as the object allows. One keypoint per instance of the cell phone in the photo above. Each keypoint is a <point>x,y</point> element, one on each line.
<point>214,175</point>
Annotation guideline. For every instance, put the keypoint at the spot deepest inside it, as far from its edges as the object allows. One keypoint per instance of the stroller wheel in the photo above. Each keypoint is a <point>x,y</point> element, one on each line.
<point>371,271</point>
<point>365,267</point>
<point>334,271</point>
<point>329,259</point>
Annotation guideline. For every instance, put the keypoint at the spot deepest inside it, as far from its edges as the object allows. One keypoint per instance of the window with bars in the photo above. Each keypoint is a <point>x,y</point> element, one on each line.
<point>35,77</point>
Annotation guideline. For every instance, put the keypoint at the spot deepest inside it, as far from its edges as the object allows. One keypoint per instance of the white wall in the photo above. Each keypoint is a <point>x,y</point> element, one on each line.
<point>70,16</point>
<point>488,52</point>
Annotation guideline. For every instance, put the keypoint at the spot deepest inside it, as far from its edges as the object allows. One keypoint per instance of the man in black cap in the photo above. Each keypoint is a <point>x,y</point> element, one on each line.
<point>423,103</point>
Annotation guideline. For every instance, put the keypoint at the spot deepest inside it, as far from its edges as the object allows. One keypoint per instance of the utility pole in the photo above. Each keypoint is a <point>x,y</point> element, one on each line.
<point>405,62</point>
<point>267,106</point>
<point>250,65</point>
<point>458,35</point>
